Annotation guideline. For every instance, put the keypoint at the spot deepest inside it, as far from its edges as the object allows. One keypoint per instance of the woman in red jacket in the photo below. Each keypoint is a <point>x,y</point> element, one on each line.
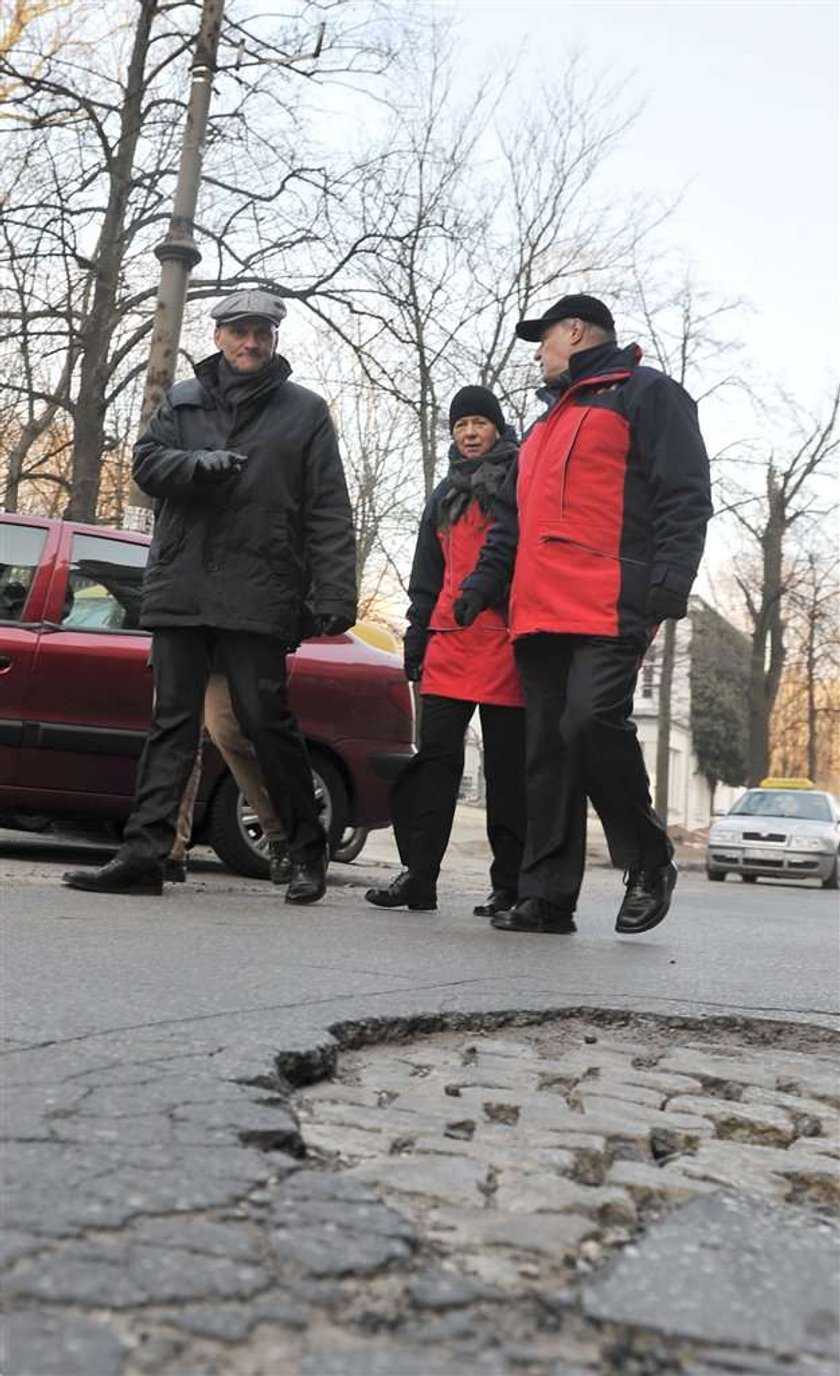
<point>460,668</point>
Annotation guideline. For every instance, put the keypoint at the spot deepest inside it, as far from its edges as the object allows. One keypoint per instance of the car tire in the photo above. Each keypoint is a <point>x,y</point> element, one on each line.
<point>716,876</point>
<point>235,835</point>
<point>833,880</point>
<point>351,844</point>
<point>749,878</point>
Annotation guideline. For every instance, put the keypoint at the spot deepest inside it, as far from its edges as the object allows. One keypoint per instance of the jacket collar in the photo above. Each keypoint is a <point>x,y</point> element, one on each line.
<point>604,360</point>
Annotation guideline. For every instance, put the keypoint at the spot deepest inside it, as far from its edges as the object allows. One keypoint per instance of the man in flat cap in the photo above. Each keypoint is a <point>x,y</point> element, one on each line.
<point>253,548</point>
<point>601,527</point>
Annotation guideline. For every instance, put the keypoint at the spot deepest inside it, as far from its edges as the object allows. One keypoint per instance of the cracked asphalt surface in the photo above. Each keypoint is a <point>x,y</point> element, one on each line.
<point>262,1141</point>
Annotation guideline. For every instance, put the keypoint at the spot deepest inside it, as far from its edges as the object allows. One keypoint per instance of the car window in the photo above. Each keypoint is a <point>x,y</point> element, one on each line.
<point>804,806</point>
<point>20,553</point>
<point>104,585</point>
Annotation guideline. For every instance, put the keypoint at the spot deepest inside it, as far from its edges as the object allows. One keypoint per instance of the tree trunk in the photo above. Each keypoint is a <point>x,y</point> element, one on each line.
<point>98,327</point>
<point>663,732</point>
<point>811,689</point>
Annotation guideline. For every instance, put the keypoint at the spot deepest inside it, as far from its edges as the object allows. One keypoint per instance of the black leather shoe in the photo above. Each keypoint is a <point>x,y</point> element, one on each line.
<point>407,891</point>
<point>647,899</point>
<point>174,871</point>
<point>307,878</point>
<point>499,901</point>
<point>535,915</point>
<point>119,876</point>
<point>279,862</point>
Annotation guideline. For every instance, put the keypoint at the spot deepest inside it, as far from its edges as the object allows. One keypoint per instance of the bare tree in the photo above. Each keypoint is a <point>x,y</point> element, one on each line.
<point>777,520</point>
<point>96,123</point>
<point>803,728</point>
<point>480,209</point>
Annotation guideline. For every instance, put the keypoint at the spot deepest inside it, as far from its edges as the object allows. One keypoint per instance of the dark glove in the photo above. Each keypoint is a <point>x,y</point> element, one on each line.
<point>332,623</point>
<point>663,604</point>
<point>412,670</point>
<point>467,607</point>
<point>216,466</point>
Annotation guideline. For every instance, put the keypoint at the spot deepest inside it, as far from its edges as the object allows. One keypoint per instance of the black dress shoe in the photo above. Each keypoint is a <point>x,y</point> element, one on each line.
<point>499,901</point>
<point>174,871</point>
<point>407,891</point>
<point>119,876</point>
<point>307,877</point>
<point>279,862</point>
<point>647,899</point>
<point>535,915</point>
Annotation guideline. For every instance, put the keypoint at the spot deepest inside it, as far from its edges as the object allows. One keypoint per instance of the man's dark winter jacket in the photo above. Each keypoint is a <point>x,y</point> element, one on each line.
<point>611,496</point>
<point>249,553</point>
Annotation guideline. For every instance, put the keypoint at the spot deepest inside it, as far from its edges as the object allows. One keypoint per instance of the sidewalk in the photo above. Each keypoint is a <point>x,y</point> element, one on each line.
<point>469,853</point>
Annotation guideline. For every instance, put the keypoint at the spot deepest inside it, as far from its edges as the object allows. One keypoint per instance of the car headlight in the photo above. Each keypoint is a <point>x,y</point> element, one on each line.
<point>809,843</point>
<point>720,834</point>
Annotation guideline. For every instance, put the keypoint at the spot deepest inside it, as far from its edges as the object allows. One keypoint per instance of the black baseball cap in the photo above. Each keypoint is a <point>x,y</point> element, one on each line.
<point>580,307</point>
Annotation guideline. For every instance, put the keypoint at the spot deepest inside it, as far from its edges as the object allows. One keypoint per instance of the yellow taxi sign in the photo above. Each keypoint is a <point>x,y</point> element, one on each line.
<point>786,783</point>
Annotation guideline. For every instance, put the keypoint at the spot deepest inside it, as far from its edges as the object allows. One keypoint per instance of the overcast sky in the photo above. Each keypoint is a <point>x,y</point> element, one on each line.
<point>741,110</point>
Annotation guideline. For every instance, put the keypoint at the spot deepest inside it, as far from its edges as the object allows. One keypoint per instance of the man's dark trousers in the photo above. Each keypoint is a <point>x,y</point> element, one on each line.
<point>424,797</point>
<point>581,743</point>
<point>255,666</point>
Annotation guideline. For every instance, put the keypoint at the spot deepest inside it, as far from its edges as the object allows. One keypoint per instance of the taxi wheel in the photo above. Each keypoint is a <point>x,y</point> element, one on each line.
<point>833,880</point>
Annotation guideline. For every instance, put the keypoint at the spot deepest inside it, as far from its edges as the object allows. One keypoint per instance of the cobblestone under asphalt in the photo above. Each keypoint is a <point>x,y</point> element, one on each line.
<point>511,1200</point>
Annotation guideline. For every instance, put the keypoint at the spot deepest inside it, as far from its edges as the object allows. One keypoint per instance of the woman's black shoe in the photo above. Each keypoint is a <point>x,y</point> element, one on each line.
<point>174,871</point>
<point>535,915</point>
<point>407,891</point>
<point>499,901</point>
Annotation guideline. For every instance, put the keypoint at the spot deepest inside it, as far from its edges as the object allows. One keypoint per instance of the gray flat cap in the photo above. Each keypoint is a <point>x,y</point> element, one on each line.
<point>253,302</point>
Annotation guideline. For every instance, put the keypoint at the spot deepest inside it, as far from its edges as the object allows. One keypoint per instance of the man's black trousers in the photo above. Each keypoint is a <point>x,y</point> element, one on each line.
<point>255,667</point>
<point>581,743</point>
<point>424,797</point>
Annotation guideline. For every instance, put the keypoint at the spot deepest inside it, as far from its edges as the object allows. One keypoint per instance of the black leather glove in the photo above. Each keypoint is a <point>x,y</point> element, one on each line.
<point>332,623</point>
<point>413,671</point>
<point>467,607</point>
<point>663,604</point>
<point>216,466</point>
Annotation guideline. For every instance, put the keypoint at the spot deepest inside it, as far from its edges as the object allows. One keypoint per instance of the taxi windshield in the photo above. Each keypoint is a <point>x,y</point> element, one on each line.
<point>780,802</point>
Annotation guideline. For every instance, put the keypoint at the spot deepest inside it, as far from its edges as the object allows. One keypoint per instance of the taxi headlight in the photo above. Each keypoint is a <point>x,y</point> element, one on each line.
<point>809,843</point>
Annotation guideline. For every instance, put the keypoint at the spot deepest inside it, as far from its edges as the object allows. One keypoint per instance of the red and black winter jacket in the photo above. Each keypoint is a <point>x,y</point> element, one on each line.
<point>474,662</point>
<point>611,495</point>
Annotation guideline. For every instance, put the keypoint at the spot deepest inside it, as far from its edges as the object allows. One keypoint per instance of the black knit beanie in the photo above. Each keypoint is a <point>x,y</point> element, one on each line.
<point>476,401</point>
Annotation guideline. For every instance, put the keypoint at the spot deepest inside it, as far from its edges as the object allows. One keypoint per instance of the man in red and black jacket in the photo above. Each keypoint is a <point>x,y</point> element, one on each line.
<point>600,528</point>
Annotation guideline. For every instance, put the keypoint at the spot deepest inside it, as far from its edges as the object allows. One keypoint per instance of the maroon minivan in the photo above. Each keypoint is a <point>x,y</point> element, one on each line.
<point>75,699</point>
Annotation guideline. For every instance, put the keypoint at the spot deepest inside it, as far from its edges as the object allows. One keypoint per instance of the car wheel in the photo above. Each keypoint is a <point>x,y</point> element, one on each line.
<point>234,832</point>
<point>833,880</point>
<point>716,876</point>
<point>749,878</point>
<point>351,844</point>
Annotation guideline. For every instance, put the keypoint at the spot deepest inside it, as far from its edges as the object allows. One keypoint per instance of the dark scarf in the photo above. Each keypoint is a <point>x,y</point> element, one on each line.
<point>237,388</point>
<point>476,480</point>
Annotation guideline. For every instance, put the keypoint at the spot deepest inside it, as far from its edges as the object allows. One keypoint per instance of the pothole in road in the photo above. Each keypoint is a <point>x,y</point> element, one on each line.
<point>526,1154</point>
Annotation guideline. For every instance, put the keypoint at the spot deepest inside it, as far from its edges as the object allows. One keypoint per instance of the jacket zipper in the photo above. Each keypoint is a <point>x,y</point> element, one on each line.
<point>567,458</point>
